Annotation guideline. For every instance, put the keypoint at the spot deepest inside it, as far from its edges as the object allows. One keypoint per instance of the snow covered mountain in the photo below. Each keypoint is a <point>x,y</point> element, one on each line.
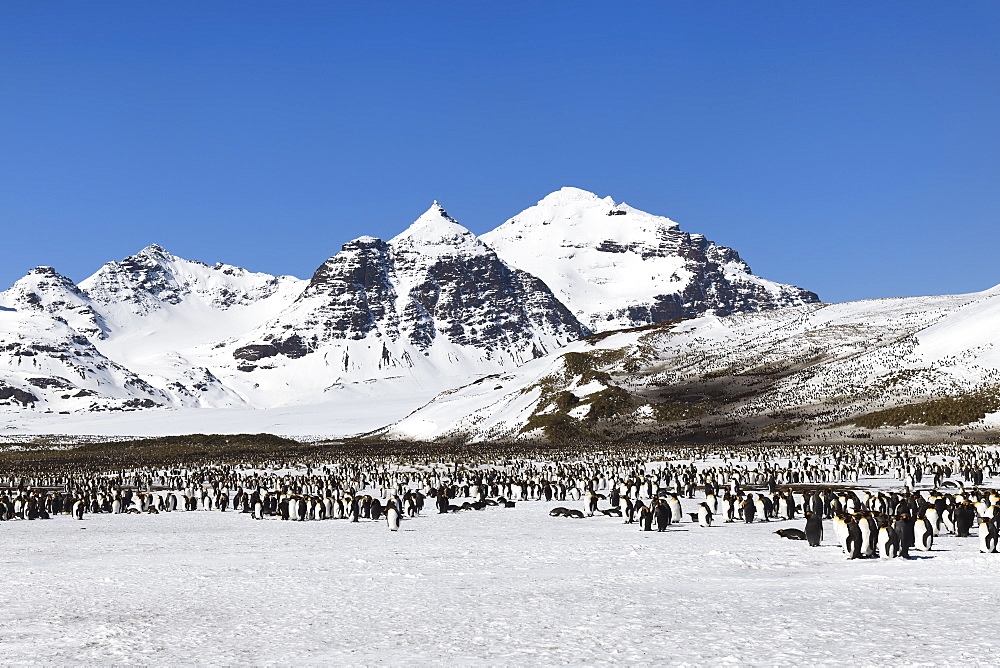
<point>432,308</point>
<point>615,266</point>
<point>44,290</point>
<point>433,304</point>
<point>429,310</point>
<point>877,368</point>
<point>113,342</point>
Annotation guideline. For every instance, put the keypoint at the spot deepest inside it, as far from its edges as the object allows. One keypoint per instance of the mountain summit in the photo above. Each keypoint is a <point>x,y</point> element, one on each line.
<point>615,266</point>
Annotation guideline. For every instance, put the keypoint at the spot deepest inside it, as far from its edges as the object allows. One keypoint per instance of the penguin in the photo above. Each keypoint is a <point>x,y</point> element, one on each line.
<point>728,510</point>
<point>791,534</point>
<point>662,513</point>
<point>764,507</point>
<point>814,528</point>
<point>749,509</point>
<point>923,534</point>
<point>988,536</point>
<point>947,517</point>
<point>905,532</point>
<point>645,519</point>
<point>712,502</point>
<point>675,508</point>
<point>869,533</point>
<point>840,531</point>
<point>888,542</point>
<point>392,518</point>
<point>854,545</point>
<point>788,506</point>
<point>704,515</point>
<point>964,517</point>
<point>630,509</point>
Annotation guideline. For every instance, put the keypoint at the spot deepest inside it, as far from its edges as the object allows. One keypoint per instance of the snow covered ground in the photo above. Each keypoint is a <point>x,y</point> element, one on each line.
<point>358,409</point>
<point>500,586</point>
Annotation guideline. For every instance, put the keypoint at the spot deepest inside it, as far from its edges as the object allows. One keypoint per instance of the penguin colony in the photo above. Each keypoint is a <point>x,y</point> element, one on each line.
<point>931,490</point>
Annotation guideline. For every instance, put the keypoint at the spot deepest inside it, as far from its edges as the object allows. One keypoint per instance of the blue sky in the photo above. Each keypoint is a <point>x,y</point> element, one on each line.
<point>850,148</point>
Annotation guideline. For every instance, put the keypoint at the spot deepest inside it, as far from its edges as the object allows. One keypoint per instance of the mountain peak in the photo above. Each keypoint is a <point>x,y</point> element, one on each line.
<point>568,194</point>
<point>434,215</point>
<point>616,266</point>
<point>435,228</point>
<point>45,276</point>
<point>155,252</point>
<point>43,271</point>
<point>43,289</point>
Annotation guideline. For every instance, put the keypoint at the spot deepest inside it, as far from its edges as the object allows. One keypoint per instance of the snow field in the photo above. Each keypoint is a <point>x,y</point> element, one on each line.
<point>500,586</point>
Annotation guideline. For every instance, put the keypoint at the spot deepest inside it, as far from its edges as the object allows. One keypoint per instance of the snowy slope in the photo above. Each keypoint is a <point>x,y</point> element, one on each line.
<point>815,365</point>
<point>616,266</point>
<point>46,364</point>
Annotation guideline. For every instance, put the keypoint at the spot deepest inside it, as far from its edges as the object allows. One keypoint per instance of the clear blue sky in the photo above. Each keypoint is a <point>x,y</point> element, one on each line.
<point>850,148</point>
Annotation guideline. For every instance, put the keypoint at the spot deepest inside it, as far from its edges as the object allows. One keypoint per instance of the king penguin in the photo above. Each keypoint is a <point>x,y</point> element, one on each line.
<point>987,536</point>
<point>704,515</point>
<point>392,518</point>
<point>814,528</point>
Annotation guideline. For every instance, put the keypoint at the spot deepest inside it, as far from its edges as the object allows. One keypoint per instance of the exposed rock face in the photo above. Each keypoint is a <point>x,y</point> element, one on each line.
<point>459,288</point>
<point>17,395</point>
<point>435,281</point>
<point>617,267</point>
<point>353,292</point>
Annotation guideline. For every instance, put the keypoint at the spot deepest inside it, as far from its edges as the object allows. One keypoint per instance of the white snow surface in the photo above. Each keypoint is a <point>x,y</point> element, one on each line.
<point>355,409</point>
<point>500,587</point>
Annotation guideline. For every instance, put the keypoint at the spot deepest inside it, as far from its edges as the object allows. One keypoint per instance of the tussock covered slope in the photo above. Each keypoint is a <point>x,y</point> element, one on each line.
<point>807,372</point>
